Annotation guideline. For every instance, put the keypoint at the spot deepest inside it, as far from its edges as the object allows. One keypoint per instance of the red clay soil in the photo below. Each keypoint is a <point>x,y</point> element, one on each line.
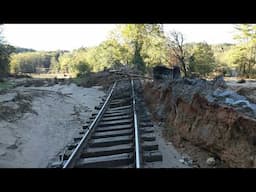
<point>218,128</point>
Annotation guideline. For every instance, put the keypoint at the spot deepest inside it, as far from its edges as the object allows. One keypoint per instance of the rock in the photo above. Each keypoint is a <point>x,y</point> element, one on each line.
<point>182,161</point>
<point>7,97</point>
<point>241,81</point>
<point>196,166</point>
<point>246,105</point>
<point>248,92</point>
<point>241,103</point>
<point>14,146</point>
<point>2,153</point>
<point>210,161</point>
<point>219,82</point>
<point>249,109</point>
<point>222,93</point>
<point>186,161</point>
<point>210,98</point>
<point>189,81</point>
<point>229,101</point>
<point>227,93</point>
<point>237,103</point>
<point>57,164</point>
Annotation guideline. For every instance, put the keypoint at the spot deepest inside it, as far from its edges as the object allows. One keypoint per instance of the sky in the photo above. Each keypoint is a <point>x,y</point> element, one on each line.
<point>49,37</point>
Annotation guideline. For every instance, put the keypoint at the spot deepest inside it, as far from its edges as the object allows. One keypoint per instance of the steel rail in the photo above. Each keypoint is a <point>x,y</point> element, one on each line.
<point>137,147</point>
<point>70,163</point>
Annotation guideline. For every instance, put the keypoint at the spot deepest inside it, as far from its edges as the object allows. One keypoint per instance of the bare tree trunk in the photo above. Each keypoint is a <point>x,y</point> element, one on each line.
<point>184,67</point>
<point>244,69</point>
<point>177,46</point>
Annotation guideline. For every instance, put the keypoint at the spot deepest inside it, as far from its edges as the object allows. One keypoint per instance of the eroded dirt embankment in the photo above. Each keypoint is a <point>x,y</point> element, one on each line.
<point>208,116</point>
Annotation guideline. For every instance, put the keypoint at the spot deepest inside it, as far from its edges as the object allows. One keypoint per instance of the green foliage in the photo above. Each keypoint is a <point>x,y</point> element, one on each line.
<point>138,60</point>
<point>134,45</point>
<point>202,59</point>
<point>31,62</point>
<point>5,51</point>
<point>245,51</point>
<point>108,54</point>
<point>73,63</point>
<point>145,42</point>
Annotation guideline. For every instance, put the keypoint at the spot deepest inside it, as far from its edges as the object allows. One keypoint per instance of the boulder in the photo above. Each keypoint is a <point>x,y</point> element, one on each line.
<point>210,161</point>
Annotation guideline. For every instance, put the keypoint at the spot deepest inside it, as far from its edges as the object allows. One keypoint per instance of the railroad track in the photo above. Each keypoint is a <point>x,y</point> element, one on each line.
<point>120,135</point>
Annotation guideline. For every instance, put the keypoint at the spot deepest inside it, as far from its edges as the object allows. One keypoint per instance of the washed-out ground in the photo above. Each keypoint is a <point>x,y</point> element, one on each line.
<point>36,123</point>
<point>191,155</point>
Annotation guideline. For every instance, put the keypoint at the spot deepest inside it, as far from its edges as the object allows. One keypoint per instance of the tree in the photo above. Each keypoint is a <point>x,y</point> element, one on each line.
<point>176,44</point>
<point>31,62</point>
<point>246,38</point>
<point>202,60</point>
<point>137,58</point>
<point>146,44</point>
<point>5,51</point>
<point>223,54</point>
<point>54,65</point>
<point>155,47</point>
<point>136,45</point>
<point>133,35</point>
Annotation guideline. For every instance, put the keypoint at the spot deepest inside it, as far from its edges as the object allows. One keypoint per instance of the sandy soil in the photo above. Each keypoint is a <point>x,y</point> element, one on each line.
<point>38,136</point>
<point>232,83</point>
<point>247,89</point>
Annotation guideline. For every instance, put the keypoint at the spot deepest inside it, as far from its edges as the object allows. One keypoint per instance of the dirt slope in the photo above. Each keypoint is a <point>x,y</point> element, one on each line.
<point>208,116</point>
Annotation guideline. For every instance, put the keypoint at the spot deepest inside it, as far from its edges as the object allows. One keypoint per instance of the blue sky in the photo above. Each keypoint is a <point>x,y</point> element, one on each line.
<point>71,36</point>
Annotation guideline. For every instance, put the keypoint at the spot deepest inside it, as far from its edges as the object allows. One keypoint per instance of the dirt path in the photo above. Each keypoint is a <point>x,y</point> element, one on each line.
<point>57,115</point>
